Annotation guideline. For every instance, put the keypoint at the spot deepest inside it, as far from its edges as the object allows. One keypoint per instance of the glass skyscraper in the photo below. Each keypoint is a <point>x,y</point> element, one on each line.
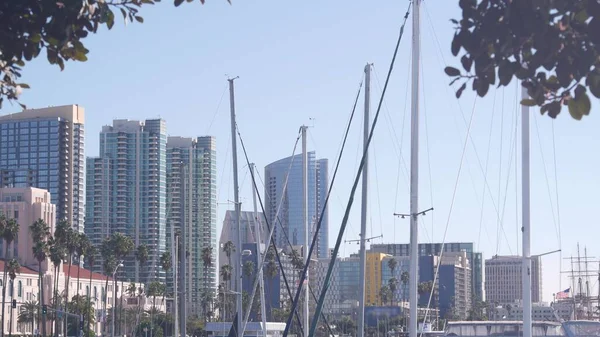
<point>290,214</point>
<point>127,192</point>
<point>199,159</point>
<point>44,148</point>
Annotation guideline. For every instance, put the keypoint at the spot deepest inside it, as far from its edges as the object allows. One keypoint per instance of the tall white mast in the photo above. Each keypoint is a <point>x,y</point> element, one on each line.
<point>258,234</point>
<point>363,215</point>
<point>305,223</point>
<point>525,176</point>
<point>238,211</point>
<point>414,169</point>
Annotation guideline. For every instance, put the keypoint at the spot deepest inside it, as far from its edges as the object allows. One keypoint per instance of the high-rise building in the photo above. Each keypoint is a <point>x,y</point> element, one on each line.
<point>127,192</point>
<point>291,210</point>
<point>426,249</point>
<point>44,148</point>
<point>192,164</point>
<point>343,288</point>
<point>503,279</point>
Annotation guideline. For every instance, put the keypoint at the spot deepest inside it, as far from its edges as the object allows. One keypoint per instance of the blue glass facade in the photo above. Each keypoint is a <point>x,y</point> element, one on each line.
<point>43,148</point>
<point>127,192</point>
<point>290,214</point>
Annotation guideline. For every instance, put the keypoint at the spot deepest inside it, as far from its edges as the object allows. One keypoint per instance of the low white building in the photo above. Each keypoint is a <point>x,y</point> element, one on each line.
<point>23,294</point>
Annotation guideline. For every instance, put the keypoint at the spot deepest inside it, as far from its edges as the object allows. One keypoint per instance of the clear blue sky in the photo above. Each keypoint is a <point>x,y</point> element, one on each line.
<point>301,60</point>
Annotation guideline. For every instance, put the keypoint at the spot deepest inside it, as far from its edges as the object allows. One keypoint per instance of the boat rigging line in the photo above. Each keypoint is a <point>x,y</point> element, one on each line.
<point>270,237</point>
<point>350,201</point>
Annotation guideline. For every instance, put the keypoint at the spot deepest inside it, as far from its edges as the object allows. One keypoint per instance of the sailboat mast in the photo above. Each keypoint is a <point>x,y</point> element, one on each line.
<point>305,223</point>
<point>258,234</point>
<point>414,169</point>
<point>238,211</point>
<point>526,196</point>
<point>363,215</point>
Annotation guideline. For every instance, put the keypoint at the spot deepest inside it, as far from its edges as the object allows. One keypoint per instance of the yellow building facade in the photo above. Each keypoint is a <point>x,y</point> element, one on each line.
<point>373,278</point>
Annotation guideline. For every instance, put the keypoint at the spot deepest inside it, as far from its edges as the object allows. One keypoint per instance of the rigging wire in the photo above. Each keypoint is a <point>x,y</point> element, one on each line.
<point>499,221</point>
<point>472,142</point>
<point>271,229</point>
<point>428,156</point>
<point>557,208</point>
<point>217,110</point>
<point>462,157</point>
<point>394,134</point>
<point>314,239</point>
<point>487,159</point>
<point>516,115</point>
<point>537,130</point>
<point>350,200</point>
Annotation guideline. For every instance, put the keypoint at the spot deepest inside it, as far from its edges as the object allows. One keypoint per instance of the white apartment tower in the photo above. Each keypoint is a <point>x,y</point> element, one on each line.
<point>503,279</point>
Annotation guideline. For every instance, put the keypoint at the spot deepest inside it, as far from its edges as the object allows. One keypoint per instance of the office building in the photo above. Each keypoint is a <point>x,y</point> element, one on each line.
<point>44,148</point>
<point>425,249</point>
<point>343,290</point>
<point>192,192</point>
<point>454,285</point>
<point>126,192</point>
<point>503,279</point>
<point>291,208</point>
<point>373,278</point>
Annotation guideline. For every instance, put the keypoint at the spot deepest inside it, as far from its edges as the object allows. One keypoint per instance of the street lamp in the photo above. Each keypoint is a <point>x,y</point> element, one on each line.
<point>115,296</point>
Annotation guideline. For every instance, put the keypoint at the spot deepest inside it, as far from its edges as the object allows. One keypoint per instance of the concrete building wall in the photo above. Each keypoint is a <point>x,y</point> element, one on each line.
<point>503,280</point>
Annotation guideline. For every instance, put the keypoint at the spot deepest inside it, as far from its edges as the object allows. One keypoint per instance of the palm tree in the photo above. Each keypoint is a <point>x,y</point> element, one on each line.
<point>39,234</point>
<point>71,243</point>
<point>155,288</point>
<point>228,249</point>
<point>9,230</point>
<point>392,264</point>
<point>57,255</point>
<point>141,255</point>
<point>166,263</point>
<point>404,278</point>
<point>91,257</point>
<point>28,314</point>
<point>83,247</point>
<point>248,268</point>
<point>13,267</point>
<point>83,305</point>
<point>393,285</point>
<point>226,271</point>
<point>207,262</point>
<point>384,294</point>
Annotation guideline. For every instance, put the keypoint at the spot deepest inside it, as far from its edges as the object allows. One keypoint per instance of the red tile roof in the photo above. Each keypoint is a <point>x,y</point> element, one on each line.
<point>83,273</point>
<point>23,270</point>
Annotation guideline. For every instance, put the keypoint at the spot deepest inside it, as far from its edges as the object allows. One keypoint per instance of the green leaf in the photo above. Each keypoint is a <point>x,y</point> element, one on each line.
<point>593,83</point>
<point>36,38</point>
<point>178,2</point>
<point>574,110</point>
<point>450,71</point>
<point>585,105</point>
<point>24,85</point>
<point>528,102</point>
<point>123,13</point>
<point>139,19</point>
<point>456,44</point>
<point>110,19</point>
<point>505,73</point>
<point>461,89</point>
<point>553,109</point>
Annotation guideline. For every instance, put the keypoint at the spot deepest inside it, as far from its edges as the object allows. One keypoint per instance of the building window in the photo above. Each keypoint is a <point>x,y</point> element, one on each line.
<point>10,288</point>
<point>20,289</point>
<point>95,293</point>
